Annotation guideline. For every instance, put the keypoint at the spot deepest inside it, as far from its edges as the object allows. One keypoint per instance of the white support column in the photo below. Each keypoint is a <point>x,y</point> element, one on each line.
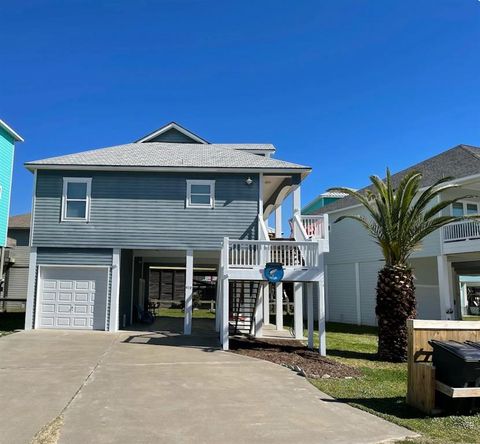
<point>357,294</point>
<point>259,312</point>
<point>225,313</point>
<point>31,296</point>
<point>297,204</point>
<point>187,320</point>
<point>218,297</point>
<point>310,318</point>
<point>279,305</point>
<point>115,290</point>
<point>298,309</point>
<point>266,302</point>
<point>278,222</point>
<point>444,287</point>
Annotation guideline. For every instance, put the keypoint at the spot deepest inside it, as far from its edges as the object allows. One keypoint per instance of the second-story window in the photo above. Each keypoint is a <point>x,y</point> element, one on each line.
<point>460,209</point>
<point>76,198</point>
<point>200,194</point>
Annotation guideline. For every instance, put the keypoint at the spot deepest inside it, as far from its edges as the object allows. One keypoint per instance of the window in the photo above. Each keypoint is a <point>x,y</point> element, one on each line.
<point>460,209</point>
<point>76,198</point>
<point>200,194</point>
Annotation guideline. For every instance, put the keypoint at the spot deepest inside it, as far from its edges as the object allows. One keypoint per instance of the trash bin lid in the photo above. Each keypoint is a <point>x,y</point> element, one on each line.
<point>464,351</point>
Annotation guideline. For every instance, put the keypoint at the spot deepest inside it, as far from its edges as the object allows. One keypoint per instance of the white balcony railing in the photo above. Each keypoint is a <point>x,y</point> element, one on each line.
<point>251,254</point>
<point>315,226</point>
<point>461,231</point>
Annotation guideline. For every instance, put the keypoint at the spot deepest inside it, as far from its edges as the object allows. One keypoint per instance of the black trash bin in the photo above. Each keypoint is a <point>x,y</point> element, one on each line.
<point>457,364</point>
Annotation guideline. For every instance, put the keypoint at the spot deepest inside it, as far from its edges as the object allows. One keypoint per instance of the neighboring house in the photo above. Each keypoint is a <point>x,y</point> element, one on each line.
<point>16,262</point>
<point>446,255</point>
<point>321,201</point>
<point>8,137</point>
<point>104,219</point>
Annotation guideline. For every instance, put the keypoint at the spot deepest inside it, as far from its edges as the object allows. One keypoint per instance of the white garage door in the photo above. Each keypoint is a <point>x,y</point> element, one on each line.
<point>72,298</point>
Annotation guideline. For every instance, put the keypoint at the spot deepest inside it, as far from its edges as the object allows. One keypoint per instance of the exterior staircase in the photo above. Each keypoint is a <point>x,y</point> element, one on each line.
<point>243,300</point>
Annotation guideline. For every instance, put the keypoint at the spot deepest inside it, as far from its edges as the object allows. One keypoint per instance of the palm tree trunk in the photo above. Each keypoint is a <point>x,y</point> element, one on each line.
<point>395,304</point>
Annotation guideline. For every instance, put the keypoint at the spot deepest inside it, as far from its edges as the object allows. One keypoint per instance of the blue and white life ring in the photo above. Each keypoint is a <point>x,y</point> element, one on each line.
<point>273,272</point>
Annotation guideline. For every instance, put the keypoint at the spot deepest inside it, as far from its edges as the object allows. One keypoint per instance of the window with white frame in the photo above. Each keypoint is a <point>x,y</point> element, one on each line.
<point>461,208</point>
<point>76,198</point>
<point>200,194</point>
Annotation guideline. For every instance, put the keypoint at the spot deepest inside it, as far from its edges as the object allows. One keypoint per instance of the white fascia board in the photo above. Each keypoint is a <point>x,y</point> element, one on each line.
<point>168,127</point>
<point>303,171</point>
<point>10,131</point>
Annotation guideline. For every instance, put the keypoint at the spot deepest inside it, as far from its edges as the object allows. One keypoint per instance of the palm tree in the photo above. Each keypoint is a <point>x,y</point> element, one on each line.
<point>399,219</point>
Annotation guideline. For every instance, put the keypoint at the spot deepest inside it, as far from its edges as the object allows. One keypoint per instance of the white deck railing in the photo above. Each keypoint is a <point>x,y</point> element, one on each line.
<point>251,254</point>
<point>315,226</point>
<point>459,231</point>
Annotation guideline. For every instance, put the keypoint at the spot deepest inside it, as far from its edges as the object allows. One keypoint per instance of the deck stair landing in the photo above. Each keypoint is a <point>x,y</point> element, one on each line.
<point>243,299</point>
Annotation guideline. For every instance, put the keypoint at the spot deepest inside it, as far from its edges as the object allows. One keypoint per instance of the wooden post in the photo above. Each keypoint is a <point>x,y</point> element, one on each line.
<point>187,320</point>
<point>279,305</point>
<point>310,319</point>
<point>266,302</point>
<point>259,312</point>
<point>298,309</point>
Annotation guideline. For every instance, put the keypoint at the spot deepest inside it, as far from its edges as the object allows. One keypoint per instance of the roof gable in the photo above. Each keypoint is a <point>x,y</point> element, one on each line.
<point>173,133</point>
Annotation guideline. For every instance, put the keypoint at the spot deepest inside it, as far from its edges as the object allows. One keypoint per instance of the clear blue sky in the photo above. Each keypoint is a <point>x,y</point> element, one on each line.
<point>347,87</point>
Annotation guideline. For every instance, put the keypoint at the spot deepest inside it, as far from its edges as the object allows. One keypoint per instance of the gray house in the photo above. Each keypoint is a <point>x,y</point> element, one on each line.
<point>16,263</point>
<point>102,219</point>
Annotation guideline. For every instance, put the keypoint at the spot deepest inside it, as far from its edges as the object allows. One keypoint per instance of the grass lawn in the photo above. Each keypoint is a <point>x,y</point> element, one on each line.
<point>9,322</point>
<point>382,388</point>
<point>178,313</point>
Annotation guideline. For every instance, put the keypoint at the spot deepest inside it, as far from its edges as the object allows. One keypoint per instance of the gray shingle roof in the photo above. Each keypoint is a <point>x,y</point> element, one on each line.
<point>174,155</point>
<point>457,162</point>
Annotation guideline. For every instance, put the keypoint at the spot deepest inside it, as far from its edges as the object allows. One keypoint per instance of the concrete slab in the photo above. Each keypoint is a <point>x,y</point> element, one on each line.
<point>158,387</point>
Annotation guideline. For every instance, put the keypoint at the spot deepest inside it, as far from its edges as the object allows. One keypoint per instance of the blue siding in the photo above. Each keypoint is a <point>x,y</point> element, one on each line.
<point>173,136</point>
<point>74,256</point>
<point>6,162</point>
<point>146,210</point>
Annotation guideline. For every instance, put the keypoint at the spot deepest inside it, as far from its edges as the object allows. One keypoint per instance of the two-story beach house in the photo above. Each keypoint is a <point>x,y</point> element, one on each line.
<point>103,219</point>
<point>447,262</point>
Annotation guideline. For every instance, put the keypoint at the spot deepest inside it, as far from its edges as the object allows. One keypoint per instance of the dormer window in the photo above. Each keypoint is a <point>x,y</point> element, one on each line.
<point>200,194</point>
<point>76,198</point>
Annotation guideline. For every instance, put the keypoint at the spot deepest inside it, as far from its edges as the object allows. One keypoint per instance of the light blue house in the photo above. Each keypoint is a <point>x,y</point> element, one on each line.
<point>8,137</point>
<point>106,221</point>
<point>320,201</point>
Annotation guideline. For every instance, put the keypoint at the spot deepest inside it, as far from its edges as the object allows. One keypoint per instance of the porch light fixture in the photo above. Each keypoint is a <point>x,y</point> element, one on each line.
<point>249,181</point>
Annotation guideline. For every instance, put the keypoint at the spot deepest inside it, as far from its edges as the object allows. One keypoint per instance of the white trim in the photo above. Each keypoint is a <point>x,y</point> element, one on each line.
<point>10,131</point>
<point>251,170</point>
<point>87,200</point>
<point>115,290</point>
<point>32,215</point>
<point>32,265</point>
<point>188,200</point>
<point>260,195</point>
<point>278,222</point>
<point>168,127</point>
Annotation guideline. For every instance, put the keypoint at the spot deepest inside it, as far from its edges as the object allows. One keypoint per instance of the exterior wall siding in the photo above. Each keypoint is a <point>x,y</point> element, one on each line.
<point>74,256</point>
<point>341,293</point>
<point>6,165</point>
<point>146,210</point>
<point>173,136</point>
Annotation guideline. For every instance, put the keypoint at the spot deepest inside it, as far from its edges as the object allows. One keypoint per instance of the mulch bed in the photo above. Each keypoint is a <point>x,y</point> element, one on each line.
<point>294,355</point>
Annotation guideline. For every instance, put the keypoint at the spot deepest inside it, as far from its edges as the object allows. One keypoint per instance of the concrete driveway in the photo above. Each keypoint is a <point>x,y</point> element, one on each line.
<point>95,387</point>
